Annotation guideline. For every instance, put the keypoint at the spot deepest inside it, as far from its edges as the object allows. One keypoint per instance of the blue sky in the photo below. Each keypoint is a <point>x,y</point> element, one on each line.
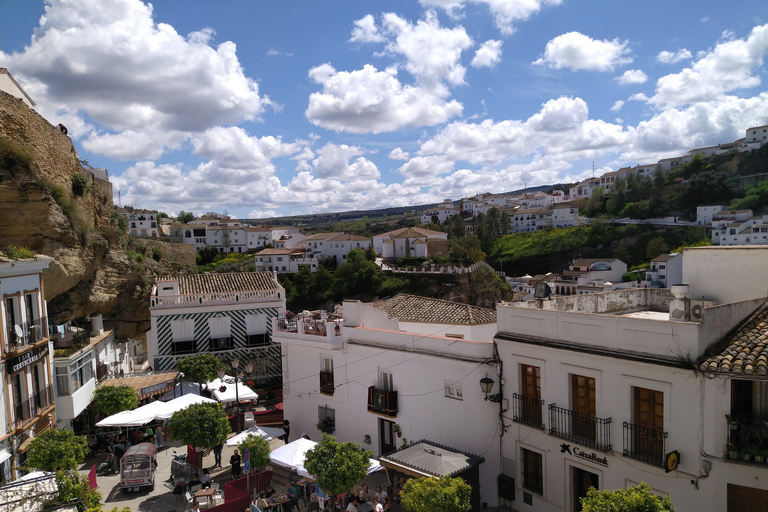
<point>277,108</point>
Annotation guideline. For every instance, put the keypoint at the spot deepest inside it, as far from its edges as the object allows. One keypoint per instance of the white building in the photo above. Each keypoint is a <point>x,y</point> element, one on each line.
<point>666,270</point>
<point>588,275</point>
<point>261,236</point>
<point>335,245</point>
<point>284,260</point>
<point>141,222</point>
<point>705,213</point>
<point>27,405</point>
<point>412,243</point>
<point>9,85</point>
<point>757,135</point>
<point>418,377</point>
<point>739,227</point>
<point>440,213</point>
<point>227,315</point>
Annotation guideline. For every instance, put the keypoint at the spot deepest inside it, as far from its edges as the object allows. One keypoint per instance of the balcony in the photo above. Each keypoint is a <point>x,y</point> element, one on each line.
<point>527,410</point>
<point>747,439</point>
<point>580,428</point>
<point>381,401</point>
<point>257,340</point>
<point>27,333</point>
<point>326,383</point>
<point>70,339</point>
<point>183,347</point>
<point>644,444</point>
<point>26,411</point>
<point>218,344</point>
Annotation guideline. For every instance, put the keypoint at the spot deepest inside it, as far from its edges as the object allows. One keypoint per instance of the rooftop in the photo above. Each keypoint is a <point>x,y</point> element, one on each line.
<point>746,351</point>
<point>412,308</point>
<point>224,282</point>
<point>431,459</point>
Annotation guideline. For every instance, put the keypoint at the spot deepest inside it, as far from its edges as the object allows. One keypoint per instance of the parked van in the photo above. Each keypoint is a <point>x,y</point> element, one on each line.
<point>137,467</point>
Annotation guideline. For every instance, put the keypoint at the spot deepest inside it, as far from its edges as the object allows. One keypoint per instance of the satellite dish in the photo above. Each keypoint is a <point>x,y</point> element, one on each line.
<point>18,330</point>
<point>543,291</point>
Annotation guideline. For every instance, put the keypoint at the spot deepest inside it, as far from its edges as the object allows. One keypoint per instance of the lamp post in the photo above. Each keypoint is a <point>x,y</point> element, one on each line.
<point>235,364</point>
<point>486,385</point>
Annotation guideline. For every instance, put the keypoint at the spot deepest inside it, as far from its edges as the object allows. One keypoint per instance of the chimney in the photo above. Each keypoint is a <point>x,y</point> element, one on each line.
<point>680,305</point>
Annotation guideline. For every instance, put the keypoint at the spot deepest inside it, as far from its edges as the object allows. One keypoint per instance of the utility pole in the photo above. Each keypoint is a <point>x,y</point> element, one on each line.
<point>119,200</point>
<point>593,168</point>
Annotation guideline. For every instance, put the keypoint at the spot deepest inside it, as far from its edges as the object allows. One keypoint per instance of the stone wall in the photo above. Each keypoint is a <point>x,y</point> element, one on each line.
<point>181,253</point>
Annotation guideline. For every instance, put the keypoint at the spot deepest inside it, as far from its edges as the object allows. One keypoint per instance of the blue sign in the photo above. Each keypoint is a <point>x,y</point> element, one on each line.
<point>247,459</point>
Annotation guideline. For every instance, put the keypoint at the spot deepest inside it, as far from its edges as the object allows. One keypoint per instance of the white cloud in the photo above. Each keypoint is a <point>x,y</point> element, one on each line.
<point>365,31</point>
<point>278,53</point>
<point>134,145</point>
<point>576,51</point>
<point>704,19</point>
<point>666,57</point>
<point>488,55</point>
<point>372,101</point>
<point>617,105</point>
<point>399,154</point>
<point>726,68</point>
<point>122,70</point>
<point>504,12</point>
<point>632,76</point>
<point>333,162</point>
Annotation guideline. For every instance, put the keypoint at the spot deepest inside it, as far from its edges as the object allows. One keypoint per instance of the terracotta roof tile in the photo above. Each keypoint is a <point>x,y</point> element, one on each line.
<point>746,351</point>
<point>224,282</point>
<point>412,308</point>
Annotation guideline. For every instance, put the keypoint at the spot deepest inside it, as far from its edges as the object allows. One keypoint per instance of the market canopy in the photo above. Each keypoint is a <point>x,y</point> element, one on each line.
<point>151,412</point>
<point>229,394</point>
<point>179,404</point>
<point>292,455</point>
<point>267,433</point>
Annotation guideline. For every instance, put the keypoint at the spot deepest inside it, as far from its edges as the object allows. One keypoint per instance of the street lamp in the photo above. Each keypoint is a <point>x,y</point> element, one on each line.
<point>486,385</point>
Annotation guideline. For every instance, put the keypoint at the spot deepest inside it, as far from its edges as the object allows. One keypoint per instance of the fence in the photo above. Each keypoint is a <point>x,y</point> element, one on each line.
<point>238,493</point>
<point>435,269</point>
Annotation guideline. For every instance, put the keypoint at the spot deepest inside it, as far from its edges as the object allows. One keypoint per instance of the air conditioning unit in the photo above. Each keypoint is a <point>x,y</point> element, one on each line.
<point>697,309</point>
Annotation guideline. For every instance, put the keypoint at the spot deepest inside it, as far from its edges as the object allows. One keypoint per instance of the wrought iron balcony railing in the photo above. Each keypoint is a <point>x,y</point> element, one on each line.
<point>580,428</point>
<point>527,410</point>
<point>644,444</point>
<point>381,401</point>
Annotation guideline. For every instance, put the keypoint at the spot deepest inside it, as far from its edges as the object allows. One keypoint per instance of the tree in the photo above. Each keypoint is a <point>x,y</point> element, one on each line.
<point>635,499</point>
<point>109,400</point>
<point>337,467</point>
<point>258,451</point>
<point>494,222</point>
<point>659,179</point>
<point>57,450</point>
<point>466,250</point>
<point>358,276</point>
<point>73,487</point>
<point>622,253</point>
<point>755,198</point>
<point>207,254</point>
<point>707,187</point>
<point>79,185</point>
<point>656,247</point>
<point>185,217</point>
<point>200,368</point>
<point>505,222</point>
<point>444,494</point>
<point>202,425</point>
<point>370,253</point>
<point>457,227</point>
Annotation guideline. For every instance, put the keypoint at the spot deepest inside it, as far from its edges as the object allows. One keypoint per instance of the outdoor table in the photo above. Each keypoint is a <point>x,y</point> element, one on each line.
<point>279,501</point>
<point>207,494</point>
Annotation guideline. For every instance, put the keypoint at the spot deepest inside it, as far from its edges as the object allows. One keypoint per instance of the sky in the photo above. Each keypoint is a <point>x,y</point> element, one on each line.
<point>262,109</point>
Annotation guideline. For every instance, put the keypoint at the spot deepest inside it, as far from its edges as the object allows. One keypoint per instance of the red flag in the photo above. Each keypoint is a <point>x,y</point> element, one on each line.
<point>92,478</point>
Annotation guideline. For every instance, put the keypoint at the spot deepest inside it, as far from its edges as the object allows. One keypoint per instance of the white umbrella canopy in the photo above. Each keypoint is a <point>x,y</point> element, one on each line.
<point>179,404</point>
<point>229,394</point>
<point>134,418</point>
<point>267,433</point>
<point>292,454</point>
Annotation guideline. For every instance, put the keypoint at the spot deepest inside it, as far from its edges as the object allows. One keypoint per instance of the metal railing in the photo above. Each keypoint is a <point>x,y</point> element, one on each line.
<point>315,327</point>
<point>257,340</point>
<point>644,444</point>
<point>218,344</point>
<point>326,383</point>
<point>27,410</point>
<point>26,333</point>
<point>527,410</point>
<point>382,401</point>
<point>183,347</point>
<point>580,428</point>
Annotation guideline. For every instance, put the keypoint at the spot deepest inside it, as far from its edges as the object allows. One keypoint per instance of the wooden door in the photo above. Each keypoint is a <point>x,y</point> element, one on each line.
<point>387,437</point>
<point>583,404</point>
<point>747,499</point>
<point>649,416</point>
<point>581,483</point>
<point>531,387</point>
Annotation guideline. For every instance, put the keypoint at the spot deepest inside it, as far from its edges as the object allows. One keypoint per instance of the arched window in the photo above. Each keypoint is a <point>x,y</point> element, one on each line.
<point>188,234</point>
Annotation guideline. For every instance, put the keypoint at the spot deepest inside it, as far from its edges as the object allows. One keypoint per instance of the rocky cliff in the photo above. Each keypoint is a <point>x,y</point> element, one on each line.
<point>91,272</point>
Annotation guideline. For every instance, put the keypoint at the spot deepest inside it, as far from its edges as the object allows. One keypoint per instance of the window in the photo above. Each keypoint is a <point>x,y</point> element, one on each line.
<point>533,471</point>
<point>326,376</point>
<point>583,404</point>
<point>327,418</point>
<point>528,404</point>
<point>644,437</point>
<point>385,381</point>
<point>453,390</point>
<point>62,380</point>
<point>183,330</point>
<point>81,371</point>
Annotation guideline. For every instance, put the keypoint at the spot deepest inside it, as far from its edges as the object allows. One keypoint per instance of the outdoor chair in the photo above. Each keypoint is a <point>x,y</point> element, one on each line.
<point>190,500</point>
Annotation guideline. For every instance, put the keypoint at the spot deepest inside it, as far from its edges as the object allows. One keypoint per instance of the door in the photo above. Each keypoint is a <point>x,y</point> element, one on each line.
<point>36,387</point>
<point>531,387</point>
<point>387,439</point>
<point>649,417</point>
<point>583,406</point>
<point>747,499</point>
<point>581,482</point>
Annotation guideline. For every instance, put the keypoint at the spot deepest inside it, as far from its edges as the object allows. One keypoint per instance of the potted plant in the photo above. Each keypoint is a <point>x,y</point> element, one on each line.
<point>397,431</point>
<point>222,388</point>
<point>760,455</point>
<point>326,425</point>
<point>746,454</point>
<point>405,442</point>
<point>733,452</point>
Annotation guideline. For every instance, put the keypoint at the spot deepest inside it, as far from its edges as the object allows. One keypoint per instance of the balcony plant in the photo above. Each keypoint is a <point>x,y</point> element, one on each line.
<point>326,425</point>
<point>396,430</point>
<point>367,439</point>
<point>733,452</point>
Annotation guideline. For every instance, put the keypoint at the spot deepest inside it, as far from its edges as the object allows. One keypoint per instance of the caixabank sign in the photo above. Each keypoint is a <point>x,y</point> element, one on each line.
<point>576,451</point>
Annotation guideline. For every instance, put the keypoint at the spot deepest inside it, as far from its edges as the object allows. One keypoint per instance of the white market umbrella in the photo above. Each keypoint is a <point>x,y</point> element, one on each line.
<point>373,466</point>
<point>229,394</point>
<point>267,433</point>
<point>292,455</point>
<point>135,418</point>
<point>179,404</point>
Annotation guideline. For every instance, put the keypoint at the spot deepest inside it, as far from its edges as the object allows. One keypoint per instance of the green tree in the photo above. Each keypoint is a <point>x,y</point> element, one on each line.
<point>494,222</point>
<point>467,250</point>
<point>457,227</point>
<point>370,253</point>
<point>258,450</point>
<point>635,499</point>
<point>358,276</point>
<point>622,253</point>
<point>57,450</point>
<point>444,494</point>
<point>199,368</point>
<point>185,217</point>
<point>337,467</point>
<point>755,198</point>
<point>659,178</point>
<point>505,222</point>
<point>596,203</point>
<point>202,425</point>
<point>487,288</point>
<point>618,198</point>
<point>656,247</point>
<point>109,400</point>
<point>707,187</point>
<point>79,185</point>
<point>207,254</point>
<point>75,487</point>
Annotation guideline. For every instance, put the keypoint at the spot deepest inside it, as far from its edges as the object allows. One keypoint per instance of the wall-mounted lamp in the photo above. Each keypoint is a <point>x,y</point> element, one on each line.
<point>486,385</point>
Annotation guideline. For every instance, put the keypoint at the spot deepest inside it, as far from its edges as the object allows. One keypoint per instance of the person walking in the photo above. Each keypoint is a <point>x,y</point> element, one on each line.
<point>234,461</point>
<point>159,437</point>
<point>217,455</point>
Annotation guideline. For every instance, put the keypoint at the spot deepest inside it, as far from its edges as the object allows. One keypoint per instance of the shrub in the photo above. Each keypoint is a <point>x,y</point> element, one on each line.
<point>157,254</point>
<point>79,185</point>
<point>19,253</point>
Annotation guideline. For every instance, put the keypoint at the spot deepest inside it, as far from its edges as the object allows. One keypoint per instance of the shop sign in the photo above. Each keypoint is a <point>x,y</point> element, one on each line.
<point>152,389</point>
<point>588,456</point>
<point>15,364</point>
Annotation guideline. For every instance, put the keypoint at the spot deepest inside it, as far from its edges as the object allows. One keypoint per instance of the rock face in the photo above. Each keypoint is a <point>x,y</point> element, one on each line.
<point>91,273</point>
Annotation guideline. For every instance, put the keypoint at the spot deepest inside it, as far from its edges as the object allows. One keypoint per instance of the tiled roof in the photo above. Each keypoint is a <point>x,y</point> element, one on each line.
<point>321,236</point>
<point>589,261</point>
<point>269,252</point>
<point>666,257</point>
<point>224,282</point>
<point>412,308</point>
<point>746,352</point>
<point>398,233</point>
<point>344,237</point>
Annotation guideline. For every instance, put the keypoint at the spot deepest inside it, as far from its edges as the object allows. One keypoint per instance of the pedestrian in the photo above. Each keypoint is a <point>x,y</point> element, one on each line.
<point>217,455</point>
<point>377,507</point>
<point>293,497</point>
<point>205,480</point>
<point>234,461</point>
<point>287,430</point>
<point>159,437</point>
<point>354,505</point>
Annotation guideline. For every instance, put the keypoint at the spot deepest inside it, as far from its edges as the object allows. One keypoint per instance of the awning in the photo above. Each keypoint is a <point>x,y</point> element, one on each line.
<point>267,433</point>
<point>179,404</point>
<point>292,455</point>
<point>425,458</point>
<point>151,412</point>
<point>4,455</point>
<point>145,385</point>
<point>182,388</point>
<point>229,394</point>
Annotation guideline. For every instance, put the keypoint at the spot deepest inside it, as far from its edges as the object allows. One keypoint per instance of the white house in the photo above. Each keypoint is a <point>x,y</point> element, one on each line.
<point>334,245</point>
<point>227,315</point>
<point>284,260</point>
<point>141,222</point>
<point>407,236</point>
<point>757,135</point>
<point>440,213</point>
<point>27,405</point>
<point>384,385</point>
<point>705,213</point>
<point>9,85</point>
<point>739,227</point>
<point>666,270</point>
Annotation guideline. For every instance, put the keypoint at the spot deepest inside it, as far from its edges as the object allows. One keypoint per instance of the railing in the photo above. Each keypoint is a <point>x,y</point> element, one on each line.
<point>173,300</point>
<point>27,333</point>
<point>527,410</point>
<point>326,383</point>
<point>644,444</point>
<point>257,340</point>
<point>580,428</point>
<point>383,402</point>
<point>747,438</point>
<point>27,410</point>
<point>183,347</point>
<point>287,324</point>
<point>70,338</point>
<point>221,344</point>
<point>316,327</point>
